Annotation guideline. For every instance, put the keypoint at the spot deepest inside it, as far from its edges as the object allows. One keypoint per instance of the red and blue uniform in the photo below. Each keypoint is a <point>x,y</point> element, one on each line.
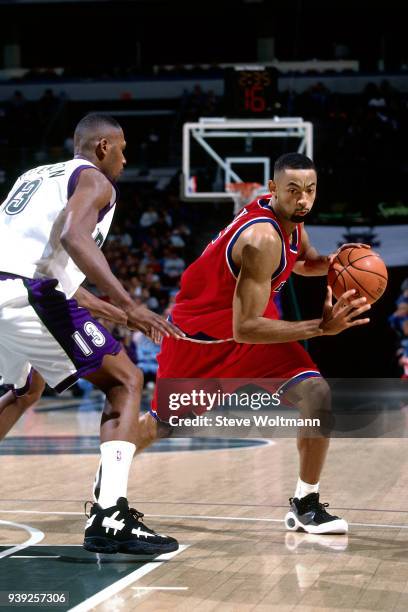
<point>203,311</point>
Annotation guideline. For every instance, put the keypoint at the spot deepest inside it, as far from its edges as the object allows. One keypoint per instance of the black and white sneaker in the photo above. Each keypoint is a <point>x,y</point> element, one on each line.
<point>120,529</point>
<point>308,514</point>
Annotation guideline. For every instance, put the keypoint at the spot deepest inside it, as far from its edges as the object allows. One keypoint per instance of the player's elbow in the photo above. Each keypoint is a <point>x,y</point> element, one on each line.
<point>238,337</point>
<point>68,239</point>
<point>243,331</point>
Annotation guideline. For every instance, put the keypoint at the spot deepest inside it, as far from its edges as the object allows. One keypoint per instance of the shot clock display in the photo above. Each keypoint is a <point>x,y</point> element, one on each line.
<point>250,91</point>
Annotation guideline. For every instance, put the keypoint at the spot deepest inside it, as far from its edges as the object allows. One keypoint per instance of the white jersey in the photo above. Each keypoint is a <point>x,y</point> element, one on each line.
<point>31,221</point>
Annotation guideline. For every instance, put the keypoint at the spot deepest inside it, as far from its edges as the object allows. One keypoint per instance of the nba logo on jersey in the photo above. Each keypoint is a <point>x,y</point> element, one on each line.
<point>118,455</point>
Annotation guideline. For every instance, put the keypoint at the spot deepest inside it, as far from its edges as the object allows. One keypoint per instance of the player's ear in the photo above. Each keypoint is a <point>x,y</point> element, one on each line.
<point>272,186</point>
<point>101,148</point>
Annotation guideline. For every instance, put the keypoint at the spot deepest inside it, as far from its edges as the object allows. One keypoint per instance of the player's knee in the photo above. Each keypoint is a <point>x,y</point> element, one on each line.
<point>37,386</point>
<point>320,389</point>
<point>318,405</point>
<point>132,380</point>
<point>319,393</point>
<point>314,397</point>
<point>315,403</point>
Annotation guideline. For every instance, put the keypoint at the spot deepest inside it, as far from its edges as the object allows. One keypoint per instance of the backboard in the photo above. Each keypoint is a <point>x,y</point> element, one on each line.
<point>218,151</point>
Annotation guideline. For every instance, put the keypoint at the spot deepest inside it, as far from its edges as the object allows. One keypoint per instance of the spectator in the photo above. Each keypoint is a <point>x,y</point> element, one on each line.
<point>176,239</point>
<point>399,323</point>
<point>149,217</point>
<point>146,356</point>
<point>173,267</point>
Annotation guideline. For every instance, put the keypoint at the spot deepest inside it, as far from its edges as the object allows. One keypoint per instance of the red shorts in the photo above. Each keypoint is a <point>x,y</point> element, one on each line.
<point>185,359</point>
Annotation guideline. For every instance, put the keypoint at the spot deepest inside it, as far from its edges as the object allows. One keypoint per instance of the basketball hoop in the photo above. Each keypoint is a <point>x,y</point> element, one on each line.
<point>242,193</point>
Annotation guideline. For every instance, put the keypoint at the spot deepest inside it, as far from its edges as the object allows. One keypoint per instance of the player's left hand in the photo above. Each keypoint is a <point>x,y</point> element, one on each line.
<point>348,245</point>
<point>342,315</point>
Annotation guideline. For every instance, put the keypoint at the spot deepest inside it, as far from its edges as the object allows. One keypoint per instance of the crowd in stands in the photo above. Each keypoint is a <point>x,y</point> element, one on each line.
<point>399,323</point>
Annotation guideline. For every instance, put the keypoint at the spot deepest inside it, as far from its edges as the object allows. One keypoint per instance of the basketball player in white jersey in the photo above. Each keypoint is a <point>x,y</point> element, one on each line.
<point>52,225</point>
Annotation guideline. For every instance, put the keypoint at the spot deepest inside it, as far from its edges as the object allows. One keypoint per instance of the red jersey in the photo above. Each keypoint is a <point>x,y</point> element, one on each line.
<point>203,306</point>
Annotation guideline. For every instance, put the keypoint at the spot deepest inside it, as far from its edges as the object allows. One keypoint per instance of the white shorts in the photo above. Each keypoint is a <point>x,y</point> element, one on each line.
<point>40,328</point>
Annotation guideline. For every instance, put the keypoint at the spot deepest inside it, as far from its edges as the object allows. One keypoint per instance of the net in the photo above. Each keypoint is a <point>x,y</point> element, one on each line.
<point>242,193</point>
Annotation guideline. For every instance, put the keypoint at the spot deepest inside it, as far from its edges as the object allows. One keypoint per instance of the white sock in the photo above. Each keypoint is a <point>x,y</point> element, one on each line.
<point>116,458</point>
<point>304,488</point>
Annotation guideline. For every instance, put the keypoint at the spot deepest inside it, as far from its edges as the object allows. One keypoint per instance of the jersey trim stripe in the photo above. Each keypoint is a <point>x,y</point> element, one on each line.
<point>72,183</point>
<point>264,203</point>
<point>228,251</point>
<point>73,179</point>
<point>294,238</point>
<point>294,241</point>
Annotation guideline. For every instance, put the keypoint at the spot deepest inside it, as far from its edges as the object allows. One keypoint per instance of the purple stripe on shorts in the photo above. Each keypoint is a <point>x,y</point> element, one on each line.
<point>8,276</point>
<point>83,338</point>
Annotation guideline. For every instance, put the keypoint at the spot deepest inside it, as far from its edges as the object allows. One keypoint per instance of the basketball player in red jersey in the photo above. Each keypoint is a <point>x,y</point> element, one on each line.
<point>227,310</point>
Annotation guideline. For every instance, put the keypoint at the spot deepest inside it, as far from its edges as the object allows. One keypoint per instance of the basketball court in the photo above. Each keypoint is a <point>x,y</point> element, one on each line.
<point>223,500</point>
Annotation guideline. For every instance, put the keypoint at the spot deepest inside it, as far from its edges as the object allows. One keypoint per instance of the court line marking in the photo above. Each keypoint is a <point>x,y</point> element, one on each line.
<point>160,588</point>
<point>200,517</point>
<point>264,443</point>
<point>198,503</point>
<point>35,536</point>
<point>40,512</point>
<point>35,556</point>
<point>266,520</point>
<point>122,583</point>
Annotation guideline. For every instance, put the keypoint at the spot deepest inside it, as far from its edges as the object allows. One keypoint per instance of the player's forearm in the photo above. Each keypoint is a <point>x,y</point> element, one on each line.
<point>260,330</point>
<point>91,261</point>
<point>313,266</point>
<point>100,308</point>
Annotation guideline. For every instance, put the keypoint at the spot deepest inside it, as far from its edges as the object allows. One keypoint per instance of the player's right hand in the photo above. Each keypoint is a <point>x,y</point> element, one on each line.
<point>151,324</point>
<point>343,314</point>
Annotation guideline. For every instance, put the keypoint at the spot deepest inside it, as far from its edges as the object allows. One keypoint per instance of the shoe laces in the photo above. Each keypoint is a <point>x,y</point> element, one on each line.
<point>321,509</point>
<point>138,516</point>
<point>314,504</point>
<point>135,514</point>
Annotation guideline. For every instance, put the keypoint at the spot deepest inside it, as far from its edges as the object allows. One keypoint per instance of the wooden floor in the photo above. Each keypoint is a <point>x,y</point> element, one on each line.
<point>225,506</point>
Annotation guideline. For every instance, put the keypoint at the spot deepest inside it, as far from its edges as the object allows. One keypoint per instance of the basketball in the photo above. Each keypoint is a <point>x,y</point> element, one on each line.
<point>359,269</point>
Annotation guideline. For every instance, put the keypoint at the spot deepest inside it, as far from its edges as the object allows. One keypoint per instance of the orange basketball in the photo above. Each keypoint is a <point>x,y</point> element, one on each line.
<point>359,269</point>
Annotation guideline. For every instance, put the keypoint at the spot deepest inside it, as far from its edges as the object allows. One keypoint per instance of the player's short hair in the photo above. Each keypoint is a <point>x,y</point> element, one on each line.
<point>92,126</point>
<point>293,161</point>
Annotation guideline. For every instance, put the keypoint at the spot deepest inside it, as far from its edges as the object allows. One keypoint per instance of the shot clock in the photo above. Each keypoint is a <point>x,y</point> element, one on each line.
<point>250,91</point>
